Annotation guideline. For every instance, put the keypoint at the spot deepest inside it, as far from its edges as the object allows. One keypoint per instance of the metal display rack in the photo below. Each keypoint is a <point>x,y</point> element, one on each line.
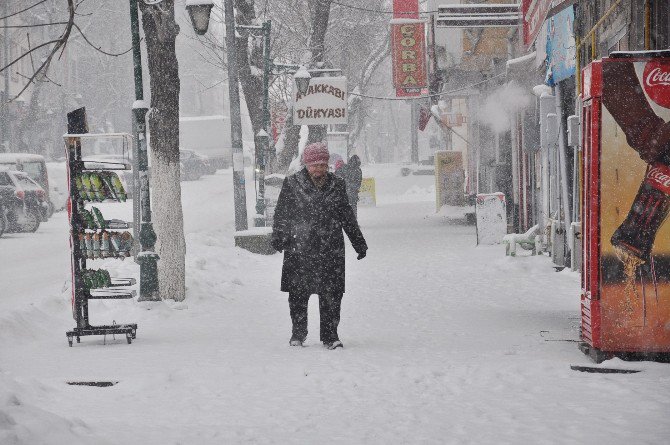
<point>83,289</point>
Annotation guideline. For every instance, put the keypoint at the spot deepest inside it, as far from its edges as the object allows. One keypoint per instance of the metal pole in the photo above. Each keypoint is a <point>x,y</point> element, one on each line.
<point>235,121</point>
<point>4,107</point>
<point>415,131</point>
<point>264,151</point>
<point>147,257</point>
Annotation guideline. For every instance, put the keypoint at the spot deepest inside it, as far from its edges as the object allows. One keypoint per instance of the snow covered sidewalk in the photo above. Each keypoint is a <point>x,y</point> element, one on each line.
<point>444,342</point>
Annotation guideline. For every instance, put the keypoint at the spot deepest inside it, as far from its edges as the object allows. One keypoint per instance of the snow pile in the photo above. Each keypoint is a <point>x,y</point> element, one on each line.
<point>23,422</point>
<point>444,342</point>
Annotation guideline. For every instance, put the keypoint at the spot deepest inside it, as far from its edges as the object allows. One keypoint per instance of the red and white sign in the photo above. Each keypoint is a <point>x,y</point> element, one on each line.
<point>658,177</point>
<point>409,59</point>
<point>408,48</point>
<point>534,13</point>
<point>405,9</point>
<point>656,82</point>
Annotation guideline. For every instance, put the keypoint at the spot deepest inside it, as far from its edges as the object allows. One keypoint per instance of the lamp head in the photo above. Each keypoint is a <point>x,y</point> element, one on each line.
<point>302,78</point>
<point>199,11</point>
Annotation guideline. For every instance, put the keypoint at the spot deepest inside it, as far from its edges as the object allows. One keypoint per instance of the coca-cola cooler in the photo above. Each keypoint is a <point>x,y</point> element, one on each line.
<point>625,299</point>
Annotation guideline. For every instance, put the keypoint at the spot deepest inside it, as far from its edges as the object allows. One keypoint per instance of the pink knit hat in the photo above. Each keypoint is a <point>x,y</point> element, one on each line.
<point>316,153</point>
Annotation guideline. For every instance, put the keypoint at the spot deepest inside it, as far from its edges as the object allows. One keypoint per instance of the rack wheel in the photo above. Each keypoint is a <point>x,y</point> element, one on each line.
<point>129,338</point>
<point>69,340</point>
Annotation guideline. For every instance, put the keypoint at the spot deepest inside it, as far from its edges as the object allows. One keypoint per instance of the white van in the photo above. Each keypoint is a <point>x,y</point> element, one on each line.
<point>31,164</point>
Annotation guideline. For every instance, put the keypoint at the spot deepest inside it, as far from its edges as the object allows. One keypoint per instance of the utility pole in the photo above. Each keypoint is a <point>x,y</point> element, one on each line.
<point>4,106</point>
<point>240,198</point>
<point>147,258</point>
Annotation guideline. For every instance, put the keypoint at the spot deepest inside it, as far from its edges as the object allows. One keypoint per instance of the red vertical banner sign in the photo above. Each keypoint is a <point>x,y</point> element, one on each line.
<point>408,49</point>
<point>534,13</point>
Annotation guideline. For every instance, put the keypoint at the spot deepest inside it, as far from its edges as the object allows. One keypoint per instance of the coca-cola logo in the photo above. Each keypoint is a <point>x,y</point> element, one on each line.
<point>659,177</point>
<point>658,77</point>
<point>656,82</point>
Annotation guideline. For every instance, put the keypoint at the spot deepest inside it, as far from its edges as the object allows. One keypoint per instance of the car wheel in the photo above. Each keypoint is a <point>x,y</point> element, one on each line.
<point>34,218</point>
<point>51,210</point>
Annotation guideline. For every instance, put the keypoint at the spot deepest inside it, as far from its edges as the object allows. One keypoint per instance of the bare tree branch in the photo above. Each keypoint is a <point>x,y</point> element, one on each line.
<point>58,44</point>
<point>97,48</point>
<point>23,10</point>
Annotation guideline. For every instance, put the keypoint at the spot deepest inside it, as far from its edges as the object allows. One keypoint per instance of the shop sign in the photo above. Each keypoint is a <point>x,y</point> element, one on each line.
<point>561,47</point>
<point>409,58</point>
<point>534,12</point>
<point>325,102</point>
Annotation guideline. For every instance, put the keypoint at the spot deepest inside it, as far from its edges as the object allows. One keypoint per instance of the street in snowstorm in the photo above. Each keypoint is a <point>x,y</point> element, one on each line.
<point>334,222</point>
<point>445,341</point>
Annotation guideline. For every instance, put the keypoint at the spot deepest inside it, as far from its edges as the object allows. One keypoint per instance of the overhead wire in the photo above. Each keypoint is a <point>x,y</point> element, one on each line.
<point>427,96</point>
<point>377,11</point>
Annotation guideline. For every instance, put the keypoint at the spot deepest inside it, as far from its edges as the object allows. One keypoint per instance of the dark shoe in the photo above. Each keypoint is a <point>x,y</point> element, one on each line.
<point>295,341</point>
<point>333,345</point>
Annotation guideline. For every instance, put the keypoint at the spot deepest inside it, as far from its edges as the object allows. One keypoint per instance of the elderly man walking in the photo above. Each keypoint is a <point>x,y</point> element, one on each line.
<point>311,213</point>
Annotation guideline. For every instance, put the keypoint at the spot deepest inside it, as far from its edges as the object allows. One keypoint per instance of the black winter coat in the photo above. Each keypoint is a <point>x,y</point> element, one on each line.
<point>353,177</point>
<point>308,224</point>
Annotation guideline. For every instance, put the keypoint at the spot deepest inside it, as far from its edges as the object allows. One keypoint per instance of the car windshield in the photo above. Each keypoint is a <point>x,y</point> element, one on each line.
<point>35,170</point>
<point>26,182</point>
<point>7,166</point>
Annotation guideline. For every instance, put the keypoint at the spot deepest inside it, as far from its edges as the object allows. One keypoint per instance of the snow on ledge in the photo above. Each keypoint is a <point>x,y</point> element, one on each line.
<point>139,104</point>
<point>401,21</point>
<point>522,59</point>
<point>199,2</point>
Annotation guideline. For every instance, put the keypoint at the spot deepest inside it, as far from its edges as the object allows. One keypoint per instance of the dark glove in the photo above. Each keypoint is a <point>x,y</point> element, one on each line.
<point>277,245</point>
<point>361,254</point>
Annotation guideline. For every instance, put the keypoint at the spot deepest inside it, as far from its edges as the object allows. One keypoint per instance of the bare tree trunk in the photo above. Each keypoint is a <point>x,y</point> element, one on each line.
<point>160,31</point>
<point>320,15</point>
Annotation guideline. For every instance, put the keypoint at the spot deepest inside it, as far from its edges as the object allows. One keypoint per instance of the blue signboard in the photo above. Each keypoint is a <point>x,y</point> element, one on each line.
<point>561,47</point>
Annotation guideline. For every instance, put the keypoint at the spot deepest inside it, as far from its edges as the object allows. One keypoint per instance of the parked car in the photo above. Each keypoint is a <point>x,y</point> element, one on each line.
<point>194,165</point>
<point>34,166</point>
<point>24,203</point>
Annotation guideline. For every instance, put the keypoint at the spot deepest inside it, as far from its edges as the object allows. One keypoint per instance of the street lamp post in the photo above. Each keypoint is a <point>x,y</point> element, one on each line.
<point>263,138</point>
<point>147,257</point>
<point>264,135</point>
<point>4,111</point>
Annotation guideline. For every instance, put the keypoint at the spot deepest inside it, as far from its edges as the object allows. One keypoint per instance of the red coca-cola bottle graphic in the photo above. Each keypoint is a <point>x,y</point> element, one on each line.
<point>650,208</point>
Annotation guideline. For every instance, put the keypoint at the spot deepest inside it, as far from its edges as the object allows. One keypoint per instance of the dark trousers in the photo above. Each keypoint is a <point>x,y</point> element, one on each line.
<point>329,311</point>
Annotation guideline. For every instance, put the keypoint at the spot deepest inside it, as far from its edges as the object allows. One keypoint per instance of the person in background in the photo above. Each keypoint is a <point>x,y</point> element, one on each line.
<point>311,212</point>
<point>353,176</point>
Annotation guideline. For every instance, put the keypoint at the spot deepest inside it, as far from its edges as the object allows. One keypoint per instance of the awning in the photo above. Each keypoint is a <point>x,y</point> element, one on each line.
<point>523,70</point>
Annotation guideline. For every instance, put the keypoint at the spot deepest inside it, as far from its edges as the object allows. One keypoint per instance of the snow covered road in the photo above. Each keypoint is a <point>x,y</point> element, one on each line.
<point>445,342</point>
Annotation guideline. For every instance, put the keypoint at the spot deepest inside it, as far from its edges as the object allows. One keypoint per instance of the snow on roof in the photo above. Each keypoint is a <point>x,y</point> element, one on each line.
<point>648,53</point>
<point>479,6</point>
<point>13,157</point>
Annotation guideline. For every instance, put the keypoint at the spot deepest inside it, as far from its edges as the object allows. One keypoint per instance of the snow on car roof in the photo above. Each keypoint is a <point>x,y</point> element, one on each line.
<point>25,157</point>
